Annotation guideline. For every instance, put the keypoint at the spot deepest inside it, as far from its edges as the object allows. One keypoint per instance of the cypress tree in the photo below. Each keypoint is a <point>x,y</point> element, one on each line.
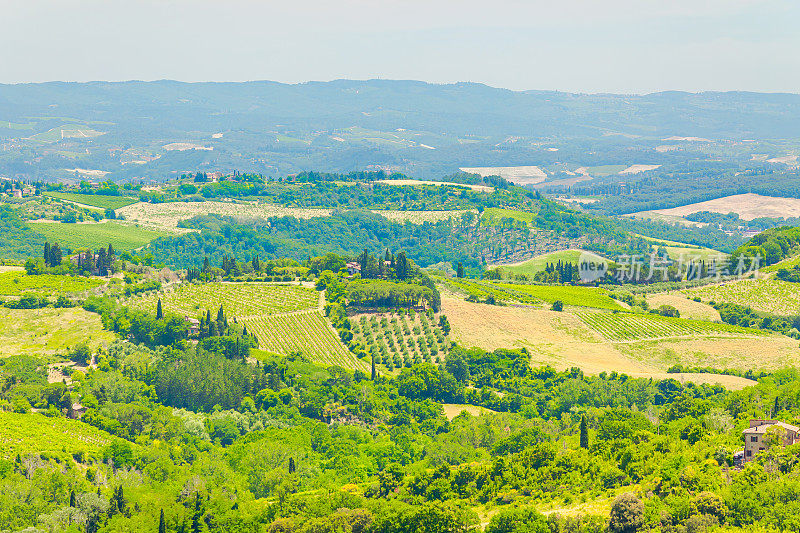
<point>374,372</point>
<point>159,310</point>
<point>460,270</point>
<point>72,502</point>
<point>584,434</point>
<point>162,525</point>
<point>47,253</point>
<point>776,408</point>
<point>292,466</point>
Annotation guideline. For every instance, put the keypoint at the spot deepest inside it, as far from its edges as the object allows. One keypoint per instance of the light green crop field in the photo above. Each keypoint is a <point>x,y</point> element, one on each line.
<point>71,131</point>
<point>95,200</point>
<point>17,125</point>
<point>492,216</point>
<point>766,295</point>
<point>307,332</point>
<point>95,235</point>
<point>37,434</point>
<point>238,299</point>
<point>676,250</point>
<point>50,331</point>
<point>15,283</point>
<point>788,263</point>
<point>568,295</point>
<point>632,327</point>
<point>537,264</point>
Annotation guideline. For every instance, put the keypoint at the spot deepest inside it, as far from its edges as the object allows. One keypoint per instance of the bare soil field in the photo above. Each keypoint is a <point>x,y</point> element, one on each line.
<point>418,217</point>
<point>167,215</point>
<point>563,341</point>
<point>747,206</point>
<point>527,175</point>
<point>180,147</point>
<point>411,183</point>
<point>688,308</point>
<point>636,169</point>
<point>452,410</point>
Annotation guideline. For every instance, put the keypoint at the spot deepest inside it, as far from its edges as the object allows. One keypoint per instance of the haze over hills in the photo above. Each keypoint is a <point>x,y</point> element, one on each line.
<point>154,129</point>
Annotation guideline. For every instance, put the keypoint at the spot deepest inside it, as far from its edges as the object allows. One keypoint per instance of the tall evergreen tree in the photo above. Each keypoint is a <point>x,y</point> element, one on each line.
<point>162,524</point>
<point>460,270</point>
<point>47,253</point>
<point>584,434</point>
<point>401,266</point>
<point>292,466</point>
<point>374,372</point>
<point>159,310</point>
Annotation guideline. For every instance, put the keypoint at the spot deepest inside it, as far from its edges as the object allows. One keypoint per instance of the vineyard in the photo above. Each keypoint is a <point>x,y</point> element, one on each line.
<point>765,295</point>
<point>16,283</point>
<point>400,340</point>
<point>238,299</point>
<point>34,433</point>
<point>568,295</point>
<point>632,327</point>
<point>94,235</point>
<point>94,200</point>
<point>306,332</point>
<point>481,291</point>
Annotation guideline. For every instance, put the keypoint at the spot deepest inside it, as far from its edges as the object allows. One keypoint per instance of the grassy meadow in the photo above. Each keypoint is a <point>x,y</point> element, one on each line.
<point>538,263</point>
<point>50,331</point>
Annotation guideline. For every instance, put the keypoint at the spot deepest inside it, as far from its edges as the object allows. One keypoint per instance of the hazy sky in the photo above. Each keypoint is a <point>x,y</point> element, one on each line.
<point>572,45</point>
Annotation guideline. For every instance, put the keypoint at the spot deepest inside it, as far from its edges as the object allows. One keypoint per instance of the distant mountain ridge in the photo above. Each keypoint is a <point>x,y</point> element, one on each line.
<point>420,128</point>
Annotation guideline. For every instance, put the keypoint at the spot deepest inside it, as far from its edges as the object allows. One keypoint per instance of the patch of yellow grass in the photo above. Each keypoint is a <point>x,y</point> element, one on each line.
<point>562,340</point>
<point>688,308</point>
<point>49,331</point>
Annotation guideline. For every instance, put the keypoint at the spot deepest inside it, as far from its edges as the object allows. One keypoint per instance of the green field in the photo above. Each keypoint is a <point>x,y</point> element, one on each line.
<point>537,264</point>
<point>630,326</point>
<point>37,434</point>
<point>50,331</point>
<point>94,200</point>
<point>493,216</point>
<point>568,295</point>
<point>238,299</point>
<point>307,332</point>
<point>15,283</point>
<point>95,235</point>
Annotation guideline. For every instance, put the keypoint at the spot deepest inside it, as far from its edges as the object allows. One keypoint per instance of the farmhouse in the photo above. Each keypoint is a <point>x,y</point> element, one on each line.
<point>763,433</point>
<point>194,325</point>
<point>353,268</point>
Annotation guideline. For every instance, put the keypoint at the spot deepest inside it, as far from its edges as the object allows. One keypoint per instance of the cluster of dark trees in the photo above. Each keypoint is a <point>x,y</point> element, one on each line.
<point>99,262</point>
<point>558,272</point>
<point>387,267</point>
<point>52,254</point>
